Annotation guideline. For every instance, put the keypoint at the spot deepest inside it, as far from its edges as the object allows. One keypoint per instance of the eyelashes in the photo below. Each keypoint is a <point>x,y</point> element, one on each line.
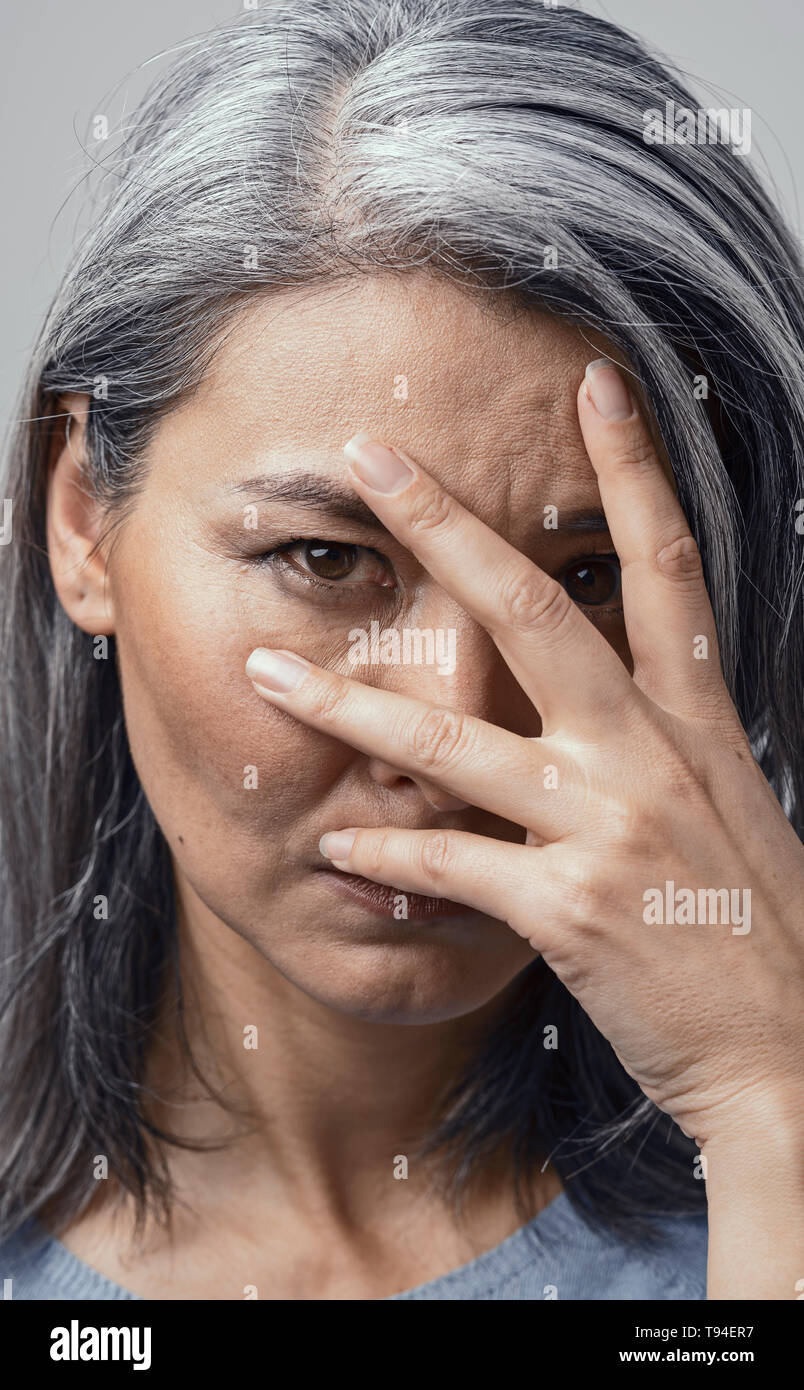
<point>333,565</point>
<point>337,567</point>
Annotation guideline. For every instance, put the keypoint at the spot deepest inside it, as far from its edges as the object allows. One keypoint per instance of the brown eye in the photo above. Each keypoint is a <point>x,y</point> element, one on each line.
<point>334,564</point>
<point>592,582</point>
<point>329,561</point>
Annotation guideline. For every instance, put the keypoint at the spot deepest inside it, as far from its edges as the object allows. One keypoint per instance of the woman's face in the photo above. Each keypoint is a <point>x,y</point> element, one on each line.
<point>217,558</point>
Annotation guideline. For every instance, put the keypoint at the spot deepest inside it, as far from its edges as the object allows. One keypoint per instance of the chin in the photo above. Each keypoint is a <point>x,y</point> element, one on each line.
<point>386,982</point>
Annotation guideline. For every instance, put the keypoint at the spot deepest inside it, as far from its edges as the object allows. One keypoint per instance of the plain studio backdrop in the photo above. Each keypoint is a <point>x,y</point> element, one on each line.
<point>65,63</point>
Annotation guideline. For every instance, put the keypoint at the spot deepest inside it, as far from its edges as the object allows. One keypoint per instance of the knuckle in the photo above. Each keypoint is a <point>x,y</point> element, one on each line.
<point>680,559</point>
<point>633,450</point>
<point>327,699</point>
<point>372,853</point>
<point>627,824</point>
<point>593,898</point>
<point>581,896</point>
<point>436,855</point>
<point>532,601</point>
<point>440,738</point>
<point>430,508</point>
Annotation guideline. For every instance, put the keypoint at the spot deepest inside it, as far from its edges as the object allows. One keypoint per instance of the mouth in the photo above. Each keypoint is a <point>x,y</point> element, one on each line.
<point>393,902</point>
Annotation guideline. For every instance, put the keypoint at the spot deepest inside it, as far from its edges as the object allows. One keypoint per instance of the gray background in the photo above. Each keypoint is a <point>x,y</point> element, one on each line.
<point>66,60</point>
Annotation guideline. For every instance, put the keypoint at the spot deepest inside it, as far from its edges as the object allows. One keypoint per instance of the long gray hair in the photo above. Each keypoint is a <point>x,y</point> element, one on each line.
<point>500,145</point>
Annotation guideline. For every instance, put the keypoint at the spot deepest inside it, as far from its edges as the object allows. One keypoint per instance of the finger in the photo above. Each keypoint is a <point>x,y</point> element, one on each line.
<point>558,657</point>
<point>482,764</point>
<point>668,616</point>
<point>492,876</point>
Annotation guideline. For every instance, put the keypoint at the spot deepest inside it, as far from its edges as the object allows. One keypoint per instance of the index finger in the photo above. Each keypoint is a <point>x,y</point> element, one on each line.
<point>558,657</point>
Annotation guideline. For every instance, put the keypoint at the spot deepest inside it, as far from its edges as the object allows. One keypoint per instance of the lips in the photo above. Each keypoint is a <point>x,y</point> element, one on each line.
<point>393,902</point>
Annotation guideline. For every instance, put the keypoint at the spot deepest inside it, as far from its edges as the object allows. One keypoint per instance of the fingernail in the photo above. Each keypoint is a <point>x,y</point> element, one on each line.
<point>275,670</point>
<point>337,844</point>
<point>607,390</point>
<point>376,465</point>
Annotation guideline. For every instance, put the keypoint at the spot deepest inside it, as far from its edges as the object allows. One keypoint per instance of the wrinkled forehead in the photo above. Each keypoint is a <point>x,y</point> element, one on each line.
<point>479,390</point>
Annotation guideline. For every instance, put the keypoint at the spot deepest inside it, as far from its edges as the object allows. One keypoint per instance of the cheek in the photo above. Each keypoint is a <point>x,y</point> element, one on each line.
<point>218,765</point>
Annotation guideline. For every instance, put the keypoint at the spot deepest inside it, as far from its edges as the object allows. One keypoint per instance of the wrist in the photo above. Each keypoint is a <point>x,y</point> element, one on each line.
<point>754,1173</point>
<point>756,1159</point>
<point>764,1117</point>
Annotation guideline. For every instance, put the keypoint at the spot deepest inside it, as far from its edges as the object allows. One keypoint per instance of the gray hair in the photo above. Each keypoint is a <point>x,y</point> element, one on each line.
<point>501,145</point>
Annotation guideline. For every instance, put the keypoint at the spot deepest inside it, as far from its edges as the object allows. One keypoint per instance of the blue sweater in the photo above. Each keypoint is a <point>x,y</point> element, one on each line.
<point>555,1256</point>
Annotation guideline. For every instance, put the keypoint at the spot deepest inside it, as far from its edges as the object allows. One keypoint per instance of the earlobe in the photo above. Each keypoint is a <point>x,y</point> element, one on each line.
<point>75,519</point>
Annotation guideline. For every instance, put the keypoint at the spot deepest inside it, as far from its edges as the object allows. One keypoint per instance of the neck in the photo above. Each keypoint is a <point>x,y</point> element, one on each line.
<point>321,1101</point>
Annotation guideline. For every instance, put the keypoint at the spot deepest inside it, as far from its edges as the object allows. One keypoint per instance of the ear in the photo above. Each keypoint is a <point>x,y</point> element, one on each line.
<point>74,523</point>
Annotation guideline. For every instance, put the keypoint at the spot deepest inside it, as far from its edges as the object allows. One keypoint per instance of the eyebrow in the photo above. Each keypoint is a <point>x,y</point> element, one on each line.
<point>589,521</point>
<point>310,490</point>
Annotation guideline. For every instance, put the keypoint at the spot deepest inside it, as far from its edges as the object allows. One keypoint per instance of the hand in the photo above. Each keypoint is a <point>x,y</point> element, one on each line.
<point>656,786</point>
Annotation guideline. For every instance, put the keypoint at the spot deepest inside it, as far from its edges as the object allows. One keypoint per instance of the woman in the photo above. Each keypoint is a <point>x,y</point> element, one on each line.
<point>526,1025</point>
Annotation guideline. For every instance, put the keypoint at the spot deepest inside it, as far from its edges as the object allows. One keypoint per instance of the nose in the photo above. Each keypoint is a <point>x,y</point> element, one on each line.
<point>446,659</point>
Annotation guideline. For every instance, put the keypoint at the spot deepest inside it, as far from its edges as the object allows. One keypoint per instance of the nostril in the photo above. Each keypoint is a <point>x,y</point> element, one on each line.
<point>395,778</point>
